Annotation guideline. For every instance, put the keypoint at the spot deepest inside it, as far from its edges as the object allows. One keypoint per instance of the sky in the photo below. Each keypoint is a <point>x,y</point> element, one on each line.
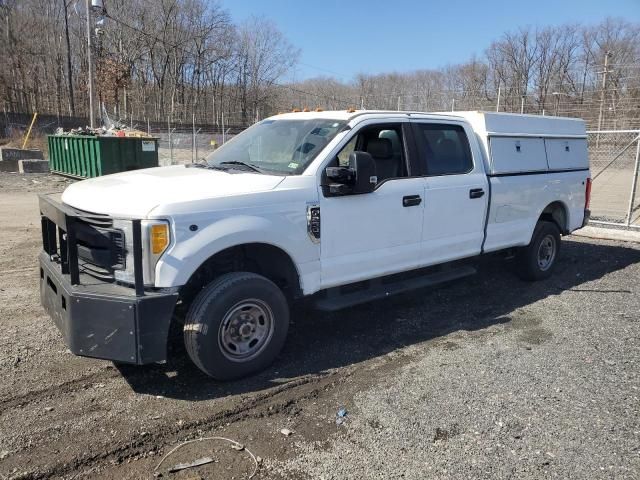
<point>341,38</point>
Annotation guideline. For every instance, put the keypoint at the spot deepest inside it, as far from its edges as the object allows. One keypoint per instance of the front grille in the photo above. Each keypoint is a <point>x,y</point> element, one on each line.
<point>95,219</point>
<point>85,243</point>
<point>101,248</point>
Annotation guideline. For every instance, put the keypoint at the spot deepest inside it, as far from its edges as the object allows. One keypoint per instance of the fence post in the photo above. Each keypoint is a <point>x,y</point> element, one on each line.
<point>170,142</point>
<point>634,184</point>
<point>223,139</point>
<point>193,138</point>
<point>197,132</point>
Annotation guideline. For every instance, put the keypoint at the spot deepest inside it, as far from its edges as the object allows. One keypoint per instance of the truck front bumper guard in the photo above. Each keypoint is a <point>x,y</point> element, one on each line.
<point>99,319</point>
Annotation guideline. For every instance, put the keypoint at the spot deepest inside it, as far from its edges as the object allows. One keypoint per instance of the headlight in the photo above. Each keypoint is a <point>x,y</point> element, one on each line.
<point>156,237</point>
<point>159,237</point>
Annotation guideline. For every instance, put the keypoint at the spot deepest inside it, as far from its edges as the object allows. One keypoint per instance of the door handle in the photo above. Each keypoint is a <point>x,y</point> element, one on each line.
<point>476,193</point>
<point>411,200</point>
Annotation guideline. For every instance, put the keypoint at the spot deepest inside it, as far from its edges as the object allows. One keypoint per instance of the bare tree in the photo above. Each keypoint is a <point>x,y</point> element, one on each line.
<point>263,57</point>
<point>178,58</point>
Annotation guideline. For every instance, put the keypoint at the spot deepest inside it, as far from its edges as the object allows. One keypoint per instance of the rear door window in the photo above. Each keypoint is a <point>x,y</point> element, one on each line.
<point>443,148</point>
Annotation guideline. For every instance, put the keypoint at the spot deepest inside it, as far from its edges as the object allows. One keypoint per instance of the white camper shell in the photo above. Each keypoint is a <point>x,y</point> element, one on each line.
<point>529,143</point>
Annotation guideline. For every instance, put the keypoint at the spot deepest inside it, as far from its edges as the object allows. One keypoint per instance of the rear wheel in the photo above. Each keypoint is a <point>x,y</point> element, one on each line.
<point>537,260</point>
<point>236,325</point>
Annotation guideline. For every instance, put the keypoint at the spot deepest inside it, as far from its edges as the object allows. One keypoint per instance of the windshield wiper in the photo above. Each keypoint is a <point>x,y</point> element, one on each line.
<point>244,164</point>
<point>205,165</point>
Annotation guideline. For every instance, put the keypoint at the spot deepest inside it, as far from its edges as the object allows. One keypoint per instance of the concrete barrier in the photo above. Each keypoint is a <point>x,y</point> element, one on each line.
<point>609,234</point>
<point>9,157</point>
<point>33,166</point>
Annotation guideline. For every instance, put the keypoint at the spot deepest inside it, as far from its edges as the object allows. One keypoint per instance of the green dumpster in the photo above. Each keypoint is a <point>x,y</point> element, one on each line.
<point>86,156</point>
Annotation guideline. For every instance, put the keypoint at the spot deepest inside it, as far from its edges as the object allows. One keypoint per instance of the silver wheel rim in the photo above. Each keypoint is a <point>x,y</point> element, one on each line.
<point>546,252</point>
<point>246,330</point>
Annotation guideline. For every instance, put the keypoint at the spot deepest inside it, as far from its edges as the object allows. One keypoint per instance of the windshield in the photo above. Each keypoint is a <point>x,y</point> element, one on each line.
<point>284,147</point>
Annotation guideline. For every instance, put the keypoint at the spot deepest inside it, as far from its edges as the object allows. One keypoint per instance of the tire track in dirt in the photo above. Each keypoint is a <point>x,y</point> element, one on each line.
<point>56,390</point>
<point>262,405</point>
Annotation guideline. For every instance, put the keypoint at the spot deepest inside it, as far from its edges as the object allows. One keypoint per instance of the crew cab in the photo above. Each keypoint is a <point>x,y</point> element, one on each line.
<point>339,206</point>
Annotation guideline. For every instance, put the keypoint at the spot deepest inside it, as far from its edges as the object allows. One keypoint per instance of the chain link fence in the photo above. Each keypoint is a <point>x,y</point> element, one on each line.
<point>615,193</point>
<point>614,156</point>
<point>179,142</point>
<point>178,148</point>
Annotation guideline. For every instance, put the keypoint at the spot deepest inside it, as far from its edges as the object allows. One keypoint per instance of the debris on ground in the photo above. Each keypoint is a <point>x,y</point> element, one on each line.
<point>286,432</point>
<point>341,416</point>
<point>196,463</point>
<point>235,445</point>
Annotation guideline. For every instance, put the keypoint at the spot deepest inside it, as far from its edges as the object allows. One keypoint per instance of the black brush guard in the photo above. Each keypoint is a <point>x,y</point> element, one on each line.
<point>99,319</point>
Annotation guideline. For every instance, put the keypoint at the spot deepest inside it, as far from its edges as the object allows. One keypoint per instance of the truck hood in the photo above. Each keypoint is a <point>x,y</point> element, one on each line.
<point>134,194</point>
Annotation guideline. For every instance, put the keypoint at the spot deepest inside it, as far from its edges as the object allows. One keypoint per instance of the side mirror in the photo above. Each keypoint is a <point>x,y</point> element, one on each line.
<point>364,166</point>
<point>358,177</point>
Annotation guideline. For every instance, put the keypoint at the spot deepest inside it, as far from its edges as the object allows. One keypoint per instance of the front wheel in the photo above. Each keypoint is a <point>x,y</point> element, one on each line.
<point>537,260</point>
<point>236,325</point>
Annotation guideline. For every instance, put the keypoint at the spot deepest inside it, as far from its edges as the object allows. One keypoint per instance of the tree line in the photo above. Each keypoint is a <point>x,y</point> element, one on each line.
<point>152,59</point>
<point>592,72</point>
<point>187,60</point>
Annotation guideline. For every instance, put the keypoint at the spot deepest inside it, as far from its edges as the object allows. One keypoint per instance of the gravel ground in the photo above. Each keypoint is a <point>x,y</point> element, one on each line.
<point>552,390</point>
<point>489,377</point>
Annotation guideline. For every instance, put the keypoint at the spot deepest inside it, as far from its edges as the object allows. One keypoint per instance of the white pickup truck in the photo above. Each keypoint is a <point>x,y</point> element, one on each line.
<point>343,206</point>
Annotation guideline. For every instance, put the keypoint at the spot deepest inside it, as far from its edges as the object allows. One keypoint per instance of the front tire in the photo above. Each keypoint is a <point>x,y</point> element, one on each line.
<point>236,325</point>
<point>537,260</point>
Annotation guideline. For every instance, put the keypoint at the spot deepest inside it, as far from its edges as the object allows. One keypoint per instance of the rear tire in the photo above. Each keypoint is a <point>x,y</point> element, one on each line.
<point>537,260</point>
<point>236,325</point>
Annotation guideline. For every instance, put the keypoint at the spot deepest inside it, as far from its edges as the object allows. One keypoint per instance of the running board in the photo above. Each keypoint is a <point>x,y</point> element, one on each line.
<point>334,300</point>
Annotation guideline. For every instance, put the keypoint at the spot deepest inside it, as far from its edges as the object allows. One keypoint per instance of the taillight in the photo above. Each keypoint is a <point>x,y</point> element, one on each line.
<point>587,194</point>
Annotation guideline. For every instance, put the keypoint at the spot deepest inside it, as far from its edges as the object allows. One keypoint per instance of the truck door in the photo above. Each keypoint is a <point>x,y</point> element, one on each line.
<point>457,192</point>
<point>376,233</point>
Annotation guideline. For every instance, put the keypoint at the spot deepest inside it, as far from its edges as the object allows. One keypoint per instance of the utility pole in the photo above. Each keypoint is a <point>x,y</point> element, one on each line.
<point>72,105</point>
<point>89,65</point>
<point>604,73</point>
<point>498,103</point>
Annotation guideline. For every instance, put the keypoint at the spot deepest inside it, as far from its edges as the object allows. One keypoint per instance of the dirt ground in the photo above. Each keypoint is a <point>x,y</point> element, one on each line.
<point>489,377</point>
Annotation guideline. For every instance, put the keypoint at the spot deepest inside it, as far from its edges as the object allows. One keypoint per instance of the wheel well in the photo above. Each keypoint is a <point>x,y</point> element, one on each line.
<point>263,259</point>
<point>557,213</point>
